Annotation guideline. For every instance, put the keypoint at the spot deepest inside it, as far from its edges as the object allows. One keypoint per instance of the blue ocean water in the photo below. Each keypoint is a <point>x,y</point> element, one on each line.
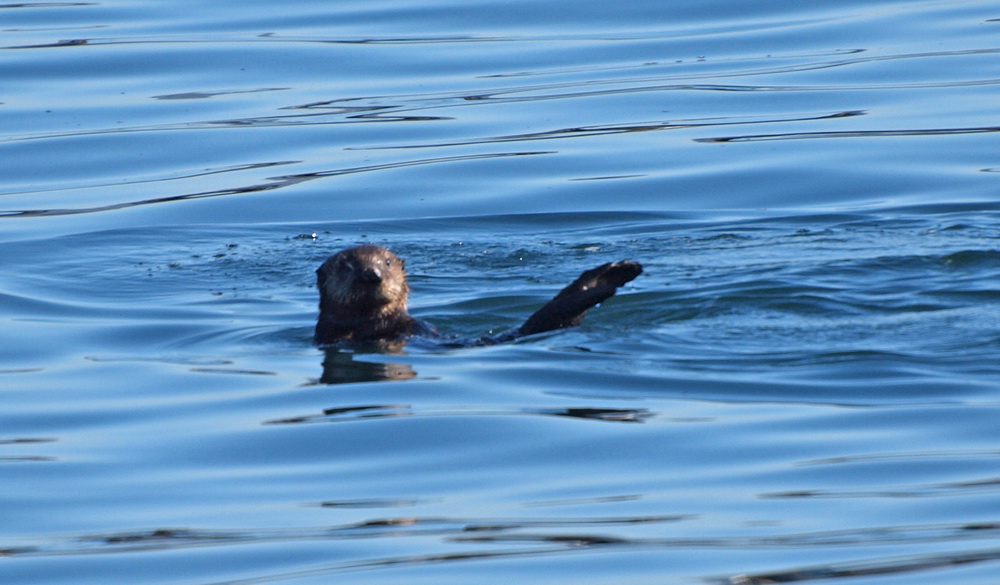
<point>802,386</point>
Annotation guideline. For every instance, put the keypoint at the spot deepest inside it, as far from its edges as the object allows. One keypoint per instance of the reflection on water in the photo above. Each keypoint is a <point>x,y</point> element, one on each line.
<point>527,535</point>
<point>880,567</point>
<point>341,367</point>
<point>802,389</point>
<point>271,183</point>
<point>855,134</point>
<point>754,387</point>
<point>355,413</point>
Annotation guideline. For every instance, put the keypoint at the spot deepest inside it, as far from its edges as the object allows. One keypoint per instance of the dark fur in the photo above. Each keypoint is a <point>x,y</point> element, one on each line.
<point>594,286</point>
<point>363,295</point>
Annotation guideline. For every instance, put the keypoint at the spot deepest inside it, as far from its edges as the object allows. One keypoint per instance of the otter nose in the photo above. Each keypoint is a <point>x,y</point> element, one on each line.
<point>370,275</point>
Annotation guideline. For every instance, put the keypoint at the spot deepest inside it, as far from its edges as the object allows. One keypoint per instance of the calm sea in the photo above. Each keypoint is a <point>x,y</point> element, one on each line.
<point>803,386</point>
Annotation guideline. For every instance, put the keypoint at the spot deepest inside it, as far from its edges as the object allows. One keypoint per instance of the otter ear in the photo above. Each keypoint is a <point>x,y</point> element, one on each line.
<point>320,276</point>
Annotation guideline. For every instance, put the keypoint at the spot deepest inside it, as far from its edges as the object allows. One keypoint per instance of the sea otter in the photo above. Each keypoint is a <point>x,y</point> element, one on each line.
<point>363,293</point>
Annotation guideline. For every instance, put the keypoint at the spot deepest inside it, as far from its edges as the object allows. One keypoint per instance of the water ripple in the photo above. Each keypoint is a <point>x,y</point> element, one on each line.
<point>272,183</point>
<point>801,387</point>
<point>853,134</point>
<point>508,532</point>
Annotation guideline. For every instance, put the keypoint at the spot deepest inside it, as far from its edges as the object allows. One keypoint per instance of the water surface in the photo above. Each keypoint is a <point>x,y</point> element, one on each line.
<point>801,387</point>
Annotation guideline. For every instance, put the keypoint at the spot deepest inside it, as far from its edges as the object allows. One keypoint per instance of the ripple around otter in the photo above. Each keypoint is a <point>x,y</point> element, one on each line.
<point>801,387</point>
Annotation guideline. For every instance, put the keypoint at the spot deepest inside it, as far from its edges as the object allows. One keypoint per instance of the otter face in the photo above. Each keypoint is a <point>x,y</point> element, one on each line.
<point>363,280</point>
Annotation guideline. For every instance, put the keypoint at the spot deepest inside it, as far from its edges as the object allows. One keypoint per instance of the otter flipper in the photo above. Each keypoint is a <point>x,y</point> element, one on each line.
<point>363,295</point>
<point>568,307</point>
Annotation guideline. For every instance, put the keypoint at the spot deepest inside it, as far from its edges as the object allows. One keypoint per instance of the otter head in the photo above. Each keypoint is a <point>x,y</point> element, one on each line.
<point>362,282</point>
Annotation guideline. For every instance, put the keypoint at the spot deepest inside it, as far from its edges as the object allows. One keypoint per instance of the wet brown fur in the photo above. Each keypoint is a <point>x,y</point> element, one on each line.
<point>363,294</point>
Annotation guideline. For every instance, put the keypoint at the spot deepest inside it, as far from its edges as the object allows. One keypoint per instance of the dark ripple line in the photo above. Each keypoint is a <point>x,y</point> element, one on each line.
<point>269,121</point>
<point>560,544</point>
<point>610,129</point>
<point>356,413</point>
<point>394,527</point>
<point>461,531</point>
<point>25,441</point>
<point>388,562</point>
<point>504,531</point>
<point>268,38</point>
<point>853,134</point>
<point>175,177</point>
<point>273,184</point>
<point>913,456</point>
<point>964,488</point>
<point>565,90</point>
<point>784,69</point>
<point>508,95</point>
<point>47,5</point>
<point>889,566</point>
